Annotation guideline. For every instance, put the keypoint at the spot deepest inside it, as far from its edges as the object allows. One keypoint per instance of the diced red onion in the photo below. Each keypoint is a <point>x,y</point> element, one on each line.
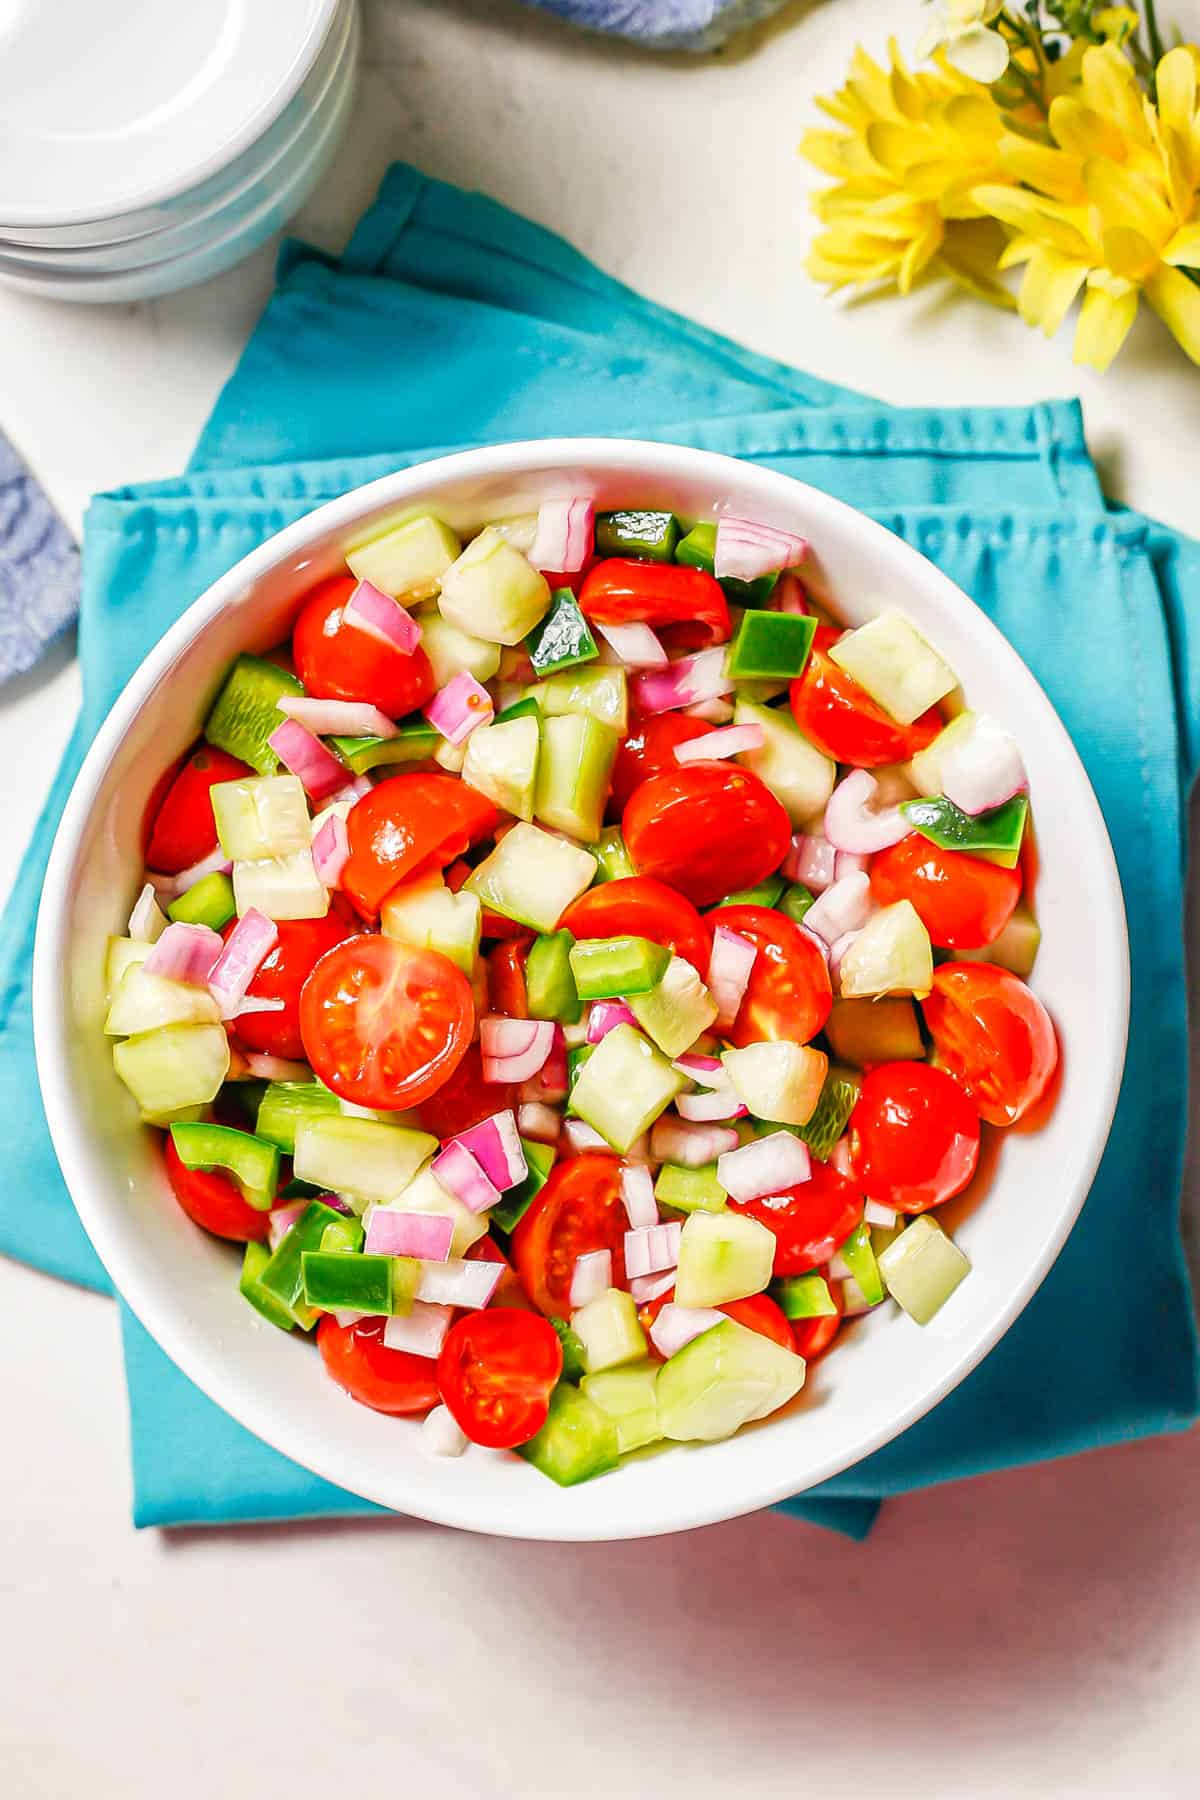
<point>745,550</point>
<point>496,1146</point>
<point>983,768</point>
<point>708,1071</point>
<point>337,1203</point>
<point>852,823</point>
<point>249,944</point>
<point>637,1193</point>
<point>551,1082</point>
<point>338,718</point>
<point>837,951</point>
<point>712,1104</point>
<point>421,1330</point>
<point>854,1301</point>
<point>644,1288</point>
<point>459,707</point>
<point>256,1003</point>
<point>539,1123</point>
<point>275,1068</point>
<point>839,1268</point>
<point>684,683</point>
<point>346,1315</point>
<point>676,1326</point>
<point>847,863</point>
<point>591,1277</point>
<point>458,1283</point>
<point>426,1236</point>
<point>460,1174</point>
<point>146,921</point>
<point>652,1248</point>
<point>604,1016</point>
<point>691,1146</point>
<point>514,1050</point>
<point>713,712</point>
<point>565,535</point>
<point>635,645</point>
<point>846,906</point>
<point>305,756</point>
<point>811,861</point>
<point>789,595</point>
<point>280,1221</point>
<point>353,792</point>
<point>578,1137</point>
<point>185,953</point>
<point>382,618</point>
<point>767,1166</point>
<point>331,850</point>
<point>876,1214</point>
<point>734,740</point>
<point>840,1159</point>
<point>169,887</point>
<point>441,1434</point>
<point>729,969</point>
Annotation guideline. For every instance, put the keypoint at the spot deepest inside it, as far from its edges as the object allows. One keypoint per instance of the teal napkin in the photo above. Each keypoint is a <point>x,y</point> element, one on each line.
<point>449,321</point>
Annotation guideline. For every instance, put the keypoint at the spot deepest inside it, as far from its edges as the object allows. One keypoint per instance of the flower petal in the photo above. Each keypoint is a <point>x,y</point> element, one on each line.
<point>1176,300</point>
<point>1128,254</point>
<point>1110,88</point>
<point>1104,322</point>
<point>1052,172</point>
<point>1175,86</point>
<point>1082,132</point>
<point>979,53</point>
<point>1127,198</point>
<point>1183,250</point>
<point>1047,220</point>
<point>1048,290</point>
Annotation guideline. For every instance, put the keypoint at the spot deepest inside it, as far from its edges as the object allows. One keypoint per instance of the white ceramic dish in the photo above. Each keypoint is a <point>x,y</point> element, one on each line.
<point>182,1285</point>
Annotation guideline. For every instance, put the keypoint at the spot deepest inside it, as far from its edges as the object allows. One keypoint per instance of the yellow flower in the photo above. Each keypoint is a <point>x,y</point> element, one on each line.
<point>909,151</point>
<point>962,30</point>
<point>1111,207</point>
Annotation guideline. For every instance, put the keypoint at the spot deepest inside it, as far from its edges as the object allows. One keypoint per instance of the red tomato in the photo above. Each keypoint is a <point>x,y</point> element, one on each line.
<point>465,1099</point>
<point>506,980</point>
<point>758,1313</point>
<point>184,829</point>
<point>707,829</point>
<point>639,906</point>
<point>914,1136</point>
<point>840,718</point>
<point>994,1036</point>
<point>648,749</point>
<point>812,1337</point>
<point>388,1381</point>
<point>383,1024</point>
<point>336,661</point>
<point>963,901</point>
<point>789,995</point>
<point>214,1201</point>
<point>579,1209</point>
<point>406,821</point>
<point>622,591</point>
<point>496,1372</point>
<point>300,946</point>
<point>809,1220</point>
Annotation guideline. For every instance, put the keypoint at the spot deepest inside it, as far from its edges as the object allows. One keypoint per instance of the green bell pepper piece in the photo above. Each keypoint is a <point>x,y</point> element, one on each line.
<point>413,743</point>
<point>208,901</point>
<point>995,835</point>
<point>549,984</point>
<point>515,1203</point>
<point>520,709</point>
<point>250,1287</point>
<point>576,1058</point>
<point>574,1356</point>
<point>803,1297</point>
<point>283,1274</point>
<point>795,901</point>
<point>612,858</point>
<point>345,1237</point>
<point>287,1104</point>
<point>859,1255</point>
<point>563,638</point>
<point>609,968</point>
<point>770,646</point>
<point>690,1190</point>
<point>333,1281</point>
<point>250,1161</point>
<point>652,536</point>
<point>767,893</point>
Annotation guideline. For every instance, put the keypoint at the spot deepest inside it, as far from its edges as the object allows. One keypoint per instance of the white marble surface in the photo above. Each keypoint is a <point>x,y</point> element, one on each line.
<point>1036,1632</point>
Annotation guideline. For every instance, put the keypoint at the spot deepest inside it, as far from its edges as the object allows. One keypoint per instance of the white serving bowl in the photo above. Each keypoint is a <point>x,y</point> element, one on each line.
<point>182,1284</point>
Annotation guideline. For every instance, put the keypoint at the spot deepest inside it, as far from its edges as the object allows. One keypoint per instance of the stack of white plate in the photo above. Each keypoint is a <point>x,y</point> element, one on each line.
<point>144,147</point>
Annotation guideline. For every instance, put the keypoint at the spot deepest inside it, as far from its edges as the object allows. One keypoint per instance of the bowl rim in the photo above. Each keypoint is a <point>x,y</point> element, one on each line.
<point>151,1303</point>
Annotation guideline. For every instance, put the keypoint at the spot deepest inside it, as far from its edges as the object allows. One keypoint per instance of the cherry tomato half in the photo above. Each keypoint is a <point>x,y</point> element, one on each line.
<point>811,1338</point>
<point>963,901</point>
<point>914,1136</point>
<point>994,1036</point>
<point>214,1201</point>
<point>383,1024</point>
<point>623,591</point>
<point>579,1209</point>
<point>388,1381</point>
<point>840,717</point>
<point>707,829</point>
<point>336,661</point>
<point>403,822</point>
<point>789,995</point>
<point>506,979</point>
<point>639,906</point>
<point>300,946</point>
<point>647,749</point>
<point>809,1220</point>
<point>758,1313</point>
<point>184,829</point>
<point>496,1372</point>
<point>465,1099</point>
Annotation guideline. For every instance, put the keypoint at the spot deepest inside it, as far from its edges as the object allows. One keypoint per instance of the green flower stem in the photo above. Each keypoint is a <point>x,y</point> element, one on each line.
<point>1157,49</point>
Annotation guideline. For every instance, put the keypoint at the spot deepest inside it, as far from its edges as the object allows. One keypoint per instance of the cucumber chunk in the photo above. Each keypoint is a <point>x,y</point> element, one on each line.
<point>608,1329</point>
<point>779,1081</point>
<point>246,711</point>
<point>532,877</point>
<point>922,1268</point>
<point>563,638</point>
<point>610,968</point>
<point>451,651</point>
<point>144,1002</point>
<point>574,1363</point>
<point>502,762</point>
<point>629,1397</point>
<point>577,755</point>
<point>677,1010</point>
<point>858,1254</point>
<point>492,592</point>
<point>265,815</point>
<point>173,1068</point>
<point>891,954</point>
<point>600,691</point>
<point>122,954</point>
<point>550,989</point>
<point>424,913</point>
<point>804,1297</point>
<point>722,1380</point>
<point>285,1104</point>
<point>799,775</point>
<point>578,1440</point>
<point>409,561</point>
<point>838,1096</point>
<point>624,1086</point>
<point>413,743</point>
<point>612,858</point>
<point>690,1190</point>
<point>1016,948</point>
<point>890,659</point>
<point>359,1158</point>
<point>208,901</point>
<point>722,1256</point>
<point>875,1031</point>
<point>281,887</point>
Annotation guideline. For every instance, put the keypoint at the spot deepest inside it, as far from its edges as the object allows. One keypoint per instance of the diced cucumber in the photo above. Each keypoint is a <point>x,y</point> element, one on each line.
<point>426,1194</point>
<point>838,1095</point>
<point>722,1380</point>
<point>922,1268</point>
<point>624,1086</point>
<point>282,887</point>
<point>611,968</point>
<point>145,1002</point>
<point>333,1281</point>
<point>550,990</point>
<point>598,690</point>
<point>804,1297</point>
<point>359,1158</point>
<point>250,1287</point>
<point>409,561</point>
<point>994,836</point>
<point>577,1056</point>
<point>250,1161</point>
<point>173,1068</point>
<point>890,659</point>
<point>577,755</point>
<point>698,550</point>
<point>451,651</point>
<point>265,815</point>
<point>650,536</point>
<point>608,1329</point>
<point>861,1032</point>
<point>799,775</point>
<point>450,757</point>
<point>578,1440</point>
<point>612,858</point>
<point>123,953</point>
<point>795,901</point>
<point>525,708</point>
<point>767,893</point>
<point>722,1256</point>
<point>414,743</point>
<point>502,762</point>
<point>779,1081</point>
<point>563,639</point>
<point>246,711</point>
<point>492,592</point>
<point>628,1396</point>
<point>520,529</point>
<point>770,646</point>
<point>859,1256</point>
<point>1016,948</point>
<point>574,1362</point>
<point>676,1011</point>
<point>891,955</point>
<point>690,1190</point>
<point>424,913</point>
<point>515,1203</point>
<point>532,877</point>
<point>282,1276</point>
<point>208,901</point>
<point>285,1104</point>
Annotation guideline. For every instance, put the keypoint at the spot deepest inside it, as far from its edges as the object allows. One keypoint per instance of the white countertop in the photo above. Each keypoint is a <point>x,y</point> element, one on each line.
<point>1036,1632</point>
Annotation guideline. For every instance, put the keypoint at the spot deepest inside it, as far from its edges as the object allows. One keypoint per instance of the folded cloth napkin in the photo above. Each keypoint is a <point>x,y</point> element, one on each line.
<point>449,321</point>
<point>665,24</point>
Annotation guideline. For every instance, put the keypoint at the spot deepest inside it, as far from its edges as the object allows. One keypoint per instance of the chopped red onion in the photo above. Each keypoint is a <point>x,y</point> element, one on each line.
<point>676,1326</point>
<point>734,740</point>
<point>169,887</point>
<point>644,1288</point>
<point>604,1016</point>
<point>639,1151</point>
<point>185,953</point>
<point>650,1249</point>
<point>565,535</point>
<point>551,1082</point>
<point>331,850</point>
<point>275,1068</point>
<point>708,1071</point>
<point>345,1315</point>
<point>789,595</point>
<point>254,1003</point>
<point>846,906</point>
<point>715,1103</point>
<point>839,1268</point>
<point>147,921</point>
<point>837,950</point>
<point>819,942</point>
<point>458,1283</point>
<point>426,1236</point>
<point>767,1166</point>
<point>459,1173</point>
<point>539,1123</point>
<point>691,1146</point>
<point>382,618</point>
<point>336,1201</point>
<point>280,1221</point>
<point>855,1302</point>
<point>713,712</point>
<point>876,1214</point>
<point>514,1049</point>
<point>847,863</point>
<point>338,718</point>
<point>684,683</point>
<point>852,823</point>
<point>441,1434</point>
<point>496,1146</point>
<point>729,969</point>
<point>578,1137</point>
<point>353,792</point>
<point>811,861</point>
<point>637,1193</point>
<point>249,944</point>
<point>421,1330</point>
<point>745,550</point>
<point>591,1277</point>
<point>982,768</point>
<point>459,707</point>
<point>305,756</point>
<point>636,645</point>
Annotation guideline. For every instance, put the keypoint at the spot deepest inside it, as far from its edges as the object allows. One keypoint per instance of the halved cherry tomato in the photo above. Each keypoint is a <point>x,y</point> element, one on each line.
<point>789,995</point>
<point>214,1201</point>
<point>184,829</point>
<point>809,1220</point>
<point>509,1291</point>
<point>506,980</point>
<point>840,717</point>
<point>383,1024</point>
<point>465,1099</point>
<point>707,829</point>
<point>496,1372</point>
<point>388,1381</point>
<point>812,1337</point>
<point>647,749</point>
<point>914,1136</point>
<point>300,946</point>
<point>994,1036</point>
<point>404,822</point>
<point>622,591</point>
<point>963,901</point>
<point>336,661</point>
<point>758,1313</point>
<point>579,1209</point>
<point>639,906</point>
